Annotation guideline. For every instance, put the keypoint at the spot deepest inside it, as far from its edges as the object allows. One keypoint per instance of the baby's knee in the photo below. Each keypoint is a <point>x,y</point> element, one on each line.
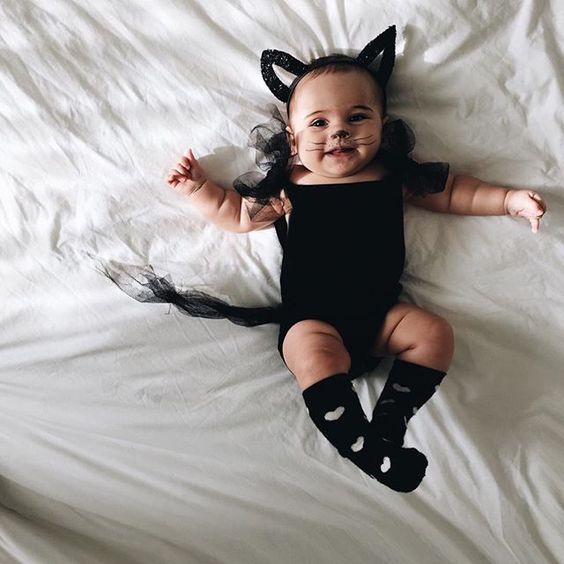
<point>315,357</point>
<point>438,336</point>
<point>320,364</point>
<point>440,330</point>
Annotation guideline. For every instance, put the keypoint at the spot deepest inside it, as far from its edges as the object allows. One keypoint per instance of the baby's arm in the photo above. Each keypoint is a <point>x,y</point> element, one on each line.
<point>467,195</point>
<point>225,208</point>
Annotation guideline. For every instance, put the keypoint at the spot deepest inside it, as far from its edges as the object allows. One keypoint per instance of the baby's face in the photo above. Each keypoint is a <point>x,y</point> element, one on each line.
<point>336,123</point>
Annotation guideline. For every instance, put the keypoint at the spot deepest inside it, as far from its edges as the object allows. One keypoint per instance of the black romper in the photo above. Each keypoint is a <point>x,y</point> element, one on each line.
<point>343,258</point>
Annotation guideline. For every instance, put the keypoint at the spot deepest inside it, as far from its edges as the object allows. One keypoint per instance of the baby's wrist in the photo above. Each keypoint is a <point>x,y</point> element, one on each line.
<point>196,186</point>
<point>506,201</point>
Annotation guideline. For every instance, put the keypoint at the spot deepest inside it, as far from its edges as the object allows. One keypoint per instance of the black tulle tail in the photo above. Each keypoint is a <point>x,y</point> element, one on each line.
<point>157,289</point>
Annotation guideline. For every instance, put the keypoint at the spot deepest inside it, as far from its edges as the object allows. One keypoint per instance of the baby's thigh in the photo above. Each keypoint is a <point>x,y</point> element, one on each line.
<point>313,350</point>
<point>407,326</point>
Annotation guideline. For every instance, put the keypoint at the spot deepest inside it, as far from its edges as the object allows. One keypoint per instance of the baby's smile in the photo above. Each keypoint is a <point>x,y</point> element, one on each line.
<point>340,150</point>
<point>340,154</point>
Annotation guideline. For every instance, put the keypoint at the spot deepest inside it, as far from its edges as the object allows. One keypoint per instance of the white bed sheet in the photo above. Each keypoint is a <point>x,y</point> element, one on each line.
<point>130,433</point>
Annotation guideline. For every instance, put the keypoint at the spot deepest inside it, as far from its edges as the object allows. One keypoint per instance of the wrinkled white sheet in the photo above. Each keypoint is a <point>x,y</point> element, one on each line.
<point>132,434</point>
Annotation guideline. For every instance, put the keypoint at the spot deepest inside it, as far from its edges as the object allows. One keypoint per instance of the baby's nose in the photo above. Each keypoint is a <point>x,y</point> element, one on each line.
<point>342,133</point>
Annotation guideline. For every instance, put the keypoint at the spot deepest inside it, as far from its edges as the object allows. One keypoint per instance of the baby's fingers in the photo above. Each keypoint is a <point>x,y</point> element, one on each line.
<point>535,224</point>
<point>174,177</point>
<point>540,203</point>
<point>172,180</point>
<point>183,166</point>
<point>174,174</point>
<point>185,169</point>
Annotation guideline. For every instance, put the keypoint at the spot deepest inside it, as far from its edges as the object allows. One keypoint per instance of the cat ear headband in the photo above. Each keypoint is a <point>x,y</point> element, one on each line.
<point>384,43</point>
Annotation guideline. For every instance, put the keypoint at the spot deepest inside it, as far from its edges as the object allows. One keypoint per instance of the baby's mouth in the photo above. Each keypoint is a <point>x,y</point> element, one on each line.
<point>341,150</point>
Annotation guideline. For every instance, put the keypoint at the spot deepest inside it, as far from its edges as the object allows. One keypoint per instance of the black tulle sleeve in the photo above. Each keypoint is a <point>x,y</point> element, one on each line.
<point>398,141</point>
<point>263,190</point>
<point>270,141</point>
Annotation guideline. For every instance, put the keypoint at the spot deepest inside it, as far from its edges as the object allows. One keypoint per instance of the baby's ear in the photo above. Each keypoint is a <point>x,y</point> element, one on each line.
<point>385,120</point>
<point>291,140</point>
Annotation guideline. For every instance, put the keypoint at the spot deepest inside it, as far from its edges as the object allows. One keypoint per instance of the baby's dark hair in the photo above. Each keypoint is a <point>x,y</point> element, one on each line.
<point>337,63</point>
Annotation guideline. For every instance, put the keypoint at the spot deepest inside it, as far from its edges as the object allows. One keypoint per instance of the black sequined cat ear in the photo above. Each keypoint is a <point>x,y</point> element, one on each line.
<point>287,62</point>
<point>384,43</point>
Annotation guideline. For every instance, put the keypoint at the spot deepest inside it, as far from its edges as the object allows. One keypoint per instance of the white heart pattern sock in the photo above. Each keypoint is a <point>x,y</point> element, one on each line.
<point>336,411</point>
<point>408,388</point>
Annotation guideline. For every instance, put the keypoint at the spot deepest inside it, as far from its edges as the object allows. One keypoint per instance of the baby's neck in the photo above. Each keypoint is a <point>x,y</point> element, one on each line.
<point>299,174</point>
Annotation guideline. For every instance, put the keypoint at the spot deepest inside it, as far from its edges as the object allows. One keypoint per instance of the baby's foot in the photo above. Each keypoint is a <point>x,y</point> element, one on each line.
<point>390,428</point>
<point>401,469</point>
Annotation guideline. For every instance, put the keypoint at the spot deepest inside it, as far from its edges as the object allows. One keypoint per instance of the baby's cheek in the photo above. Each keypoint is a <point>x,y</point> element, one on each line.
<point>312,156</point>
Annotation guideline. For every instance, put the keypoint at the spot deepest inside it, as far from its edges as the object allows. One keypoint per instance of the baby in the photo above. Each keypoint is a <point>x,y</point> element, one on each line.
<point>345,206</point>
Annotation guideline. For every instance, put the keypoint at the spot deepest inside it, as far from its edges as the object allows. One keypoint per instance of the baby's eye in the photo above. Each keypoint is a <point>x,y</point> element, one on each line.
<point>317,121</point>
<point>361,116</point>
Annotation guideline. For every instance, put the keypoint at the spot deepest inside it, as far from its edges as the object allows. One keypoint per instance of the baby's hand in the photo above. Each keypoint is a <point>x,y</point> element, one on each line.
<point>526,203</point>
<point>188,176</point>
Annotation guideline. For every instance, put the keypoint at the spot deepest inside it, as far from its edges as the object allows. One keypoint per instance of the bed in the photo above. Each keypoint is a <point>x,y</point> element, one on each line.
<point>130,433</point>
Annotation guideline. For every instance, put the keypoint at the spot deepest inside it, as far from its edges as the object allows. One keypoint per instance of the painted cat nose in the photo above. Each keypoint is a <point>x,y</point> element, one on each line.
<point>341,133</point>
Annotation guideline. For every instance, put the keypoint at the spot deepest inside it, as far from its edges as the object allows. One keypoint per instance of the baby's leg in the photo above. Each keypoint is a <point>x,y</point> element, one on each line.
<point>424,344</point>
<point>415,335</point>
<point>314,352</point>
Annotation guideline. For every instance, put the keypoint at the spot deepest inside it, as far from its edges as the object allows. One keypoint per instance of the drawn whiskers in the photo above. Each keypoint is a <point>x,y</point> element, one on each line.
<point>322,147</point>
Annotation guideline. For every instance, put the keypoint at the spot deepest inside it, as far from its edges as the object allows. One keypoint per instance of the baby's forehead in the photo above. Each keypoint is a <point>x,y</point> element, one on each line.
<point>339,88</point>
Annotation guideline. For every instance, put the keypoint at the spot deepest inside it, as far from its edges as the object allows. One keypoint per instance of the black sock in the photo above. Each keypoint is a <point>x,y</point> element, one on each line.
<point>408,387</point>
<point>335,409</point>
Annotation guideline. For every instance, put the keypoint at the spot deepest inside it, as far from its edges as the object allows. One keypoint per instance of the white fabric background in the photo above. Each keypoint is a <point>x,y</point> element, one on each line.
<point>131,435</point>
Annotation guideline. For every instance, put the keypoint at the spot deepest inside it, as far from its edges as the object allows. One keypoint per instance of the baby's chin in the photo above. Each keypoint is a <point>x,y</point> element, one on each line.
<point>338,167</point>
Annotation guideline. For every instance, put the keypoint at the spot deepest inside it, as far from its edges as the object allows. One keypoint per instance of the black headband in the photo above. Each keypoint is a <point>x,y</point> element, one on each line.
<point>385,43</point>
